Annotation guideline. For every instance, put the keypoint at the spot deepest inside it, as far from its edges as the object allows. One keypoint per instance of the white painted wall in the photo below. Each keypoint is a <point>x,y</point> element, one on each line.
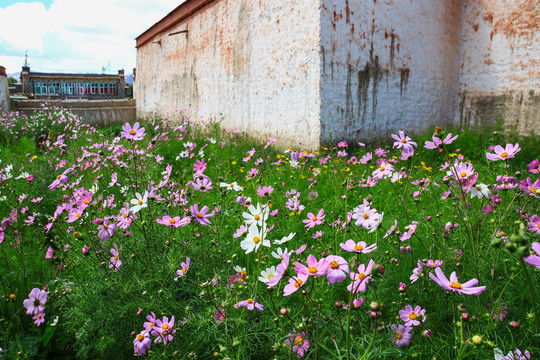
<point>4,94</point>
<point>500,69</point>
<point>254,63</point>
<point>388,65</point>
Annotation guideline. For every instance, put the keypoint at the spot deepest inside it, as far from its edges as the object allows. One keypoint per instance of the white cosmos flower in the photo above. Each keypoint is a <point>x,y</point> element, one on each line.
<point>267,274</point>
<point>278,254</point>
<point>284,239</point>
<point>231,186</point>
<point>256,215</point>
<point>254,239</point>
<point>479,190</point>
<point>140,202</point>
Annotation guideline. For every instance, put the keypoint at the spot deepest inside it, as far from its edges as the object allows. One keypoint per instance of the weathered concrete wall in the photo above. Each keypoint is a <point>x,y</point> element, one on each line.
<point>388,65</point>
<point>4,91</point>
<point>500,69</point>
<point>96,112</point>
<point>255,63</point>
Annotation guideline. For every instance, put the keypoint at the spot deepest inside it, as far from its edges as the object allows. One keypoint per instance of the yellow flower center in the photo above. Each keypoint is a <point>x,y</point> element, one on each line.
<point>504,154</point>
<point>532,190</point>
<point>298,283</point>
<point>381,168</point>
<point>368,183</point>
<point>132,132</point>
<point>231,185</point>
<point>314,218</point>
<point>334,264</point>
<point>39,316</point>
<point>312,269</point>
<point>463,174</point>
<point>256,239</point>
<point>140,202</point>
<point>404,141</point>
<point>539,225</point>
<point>124,215</point>
<point>360,276</point>
<point>105,226</point>
<point>412,316</point>
<point>200,215</point>
<point>257,217</point>
<point>58,177</point>
<point>184,270</point>
<point>249,301</point>
<point>365,216</point>
<point>298,340</point>
<point>140,337</point>
<point>270,276</point>
<point>358,247</point>
<point>399,335</point>
<point>455,285</point>
<point>86,201</point>
<point>165,326</point>
<point>172,221</point>
<point>478,187</point>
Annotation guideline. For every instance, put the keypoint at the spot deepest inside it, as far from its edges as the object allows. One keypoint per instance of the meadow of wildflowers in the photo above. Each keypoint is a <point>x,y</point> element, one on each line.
<point>171,238</point>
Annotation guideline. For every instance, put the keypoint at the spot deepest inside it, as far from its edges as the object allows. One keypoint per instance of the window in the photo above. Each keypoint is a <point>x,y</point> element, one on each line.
<point>102,88</point>
<point>80,88</point>
<point>87,87</point>
<point>40,87</point>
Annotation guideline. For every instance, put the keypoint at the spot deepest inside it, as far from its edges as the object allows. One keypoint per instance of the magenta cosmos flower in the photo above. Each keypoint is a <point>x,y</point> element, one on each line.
<point>534,224</point>
<point>534,166</point>
<point>359,247</point>
<point>298,343</point>
<point>39,318</point>
<point>106,230</point>
<point>165,329</point>
<point>503,153</point>
<point>337,267</point>
<point>201,216</point>
<point>250,304</point>
<point>132,133</point>
<point>529,187</point>
<point>36,301</point>
<point>184,268</point>
<point>142,343</point>
<point>402,335</point>
<point>468,288</point>
<point>534,260</point>
<point>412,316</point>
<point>167,220</point>
<point>280,270</point>
<point>361,278</point>
<point>313,219</point>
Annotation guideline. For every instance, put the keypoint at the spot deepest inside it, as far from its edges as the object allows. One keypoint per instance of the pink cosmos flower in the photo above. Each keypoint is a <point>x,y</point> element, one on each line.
<point>454,285</point>
<point>264,191</point>
<point>366,158</point>
<point>115,262</point>
<point>529,187</point>
<point>132,133</point>
<point>201,216</point>
<point>365,216</point>
<point>184,268</point>
<point>534,223</point>
<point>298,343</point>
<point>337,268</point>
<point>391,230</point>
<point>437,142</point>
<point>219,315</point>
<point>403,141</point>
<point>167,220</point>
<point>384,169</point>
<point>165,330</point>
<point>410,231</point>
<point>461,172</point>
<point>106,230</point>
<point>50,253</point>
<point>359,247</point>
<point>280,270</point>
<point>534,260</point>
<point>141,343</point>
<point>62,178</point>
<point>503,153</point>
<point>295,283</point>
<point>313,220</point>
<point>313,268</point>
<point>250,304</point>
<point>402,335</point>
<point>36,301</point>
<point>534,166</point>
<point>417,271</point>
<point>412,316</point>
<point>361,278</point>
<point>434,263</point>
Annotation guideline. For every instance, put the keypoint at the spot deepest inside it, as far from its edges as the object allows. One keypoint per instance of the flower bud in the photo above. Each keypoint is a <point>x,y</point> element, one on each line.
<point>514,324</point>
<point>374,305</point>
<point>283,311</point>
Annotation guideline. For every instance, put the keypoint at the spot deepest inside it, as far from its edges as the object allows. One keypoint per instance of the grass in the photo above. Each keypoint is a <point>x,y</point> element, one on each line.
<point>97,307</point>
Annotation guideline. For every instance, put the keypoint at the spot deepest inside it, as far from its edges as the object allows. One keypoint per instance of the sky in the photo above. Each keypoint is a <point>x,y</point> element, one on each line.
<point>76,35</point>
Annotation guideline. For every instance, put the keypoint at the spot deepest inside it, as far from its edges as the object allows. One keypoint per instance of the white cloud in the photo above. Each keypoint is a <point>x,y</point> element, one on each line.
<point>77,35</point>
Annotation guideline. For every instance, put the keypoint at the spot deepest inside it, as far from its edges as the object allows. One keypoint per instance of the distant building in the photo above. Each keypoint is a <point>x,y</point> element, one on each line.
<point>72,86</point>
<point>317,71</point>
